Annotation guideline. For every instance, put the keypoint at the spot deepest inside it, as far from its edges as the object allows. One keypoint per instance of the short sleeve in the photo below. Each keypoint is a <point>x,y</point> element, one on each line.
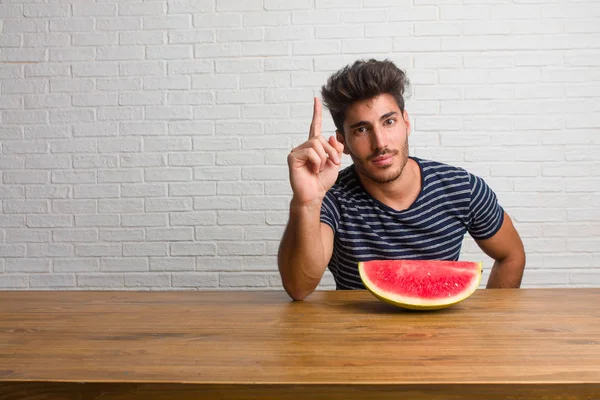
<point>485,214</point>
<point>330,211</point>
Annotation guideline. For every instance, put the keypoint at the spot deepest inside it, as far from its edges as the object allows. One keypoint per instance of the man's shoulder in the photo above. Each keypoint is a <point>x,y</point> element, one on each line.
<point>436,170</point>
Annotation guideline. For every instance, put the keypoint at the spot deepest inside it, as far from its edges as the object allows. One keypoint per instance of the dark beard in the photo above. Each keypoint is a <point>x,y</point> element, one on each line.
<point>359,165</point>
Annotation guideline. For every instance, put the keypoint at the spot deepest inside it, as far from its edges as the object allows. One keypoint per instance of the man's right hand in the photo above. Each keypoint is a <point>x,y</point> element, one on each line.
<point>314,165</point>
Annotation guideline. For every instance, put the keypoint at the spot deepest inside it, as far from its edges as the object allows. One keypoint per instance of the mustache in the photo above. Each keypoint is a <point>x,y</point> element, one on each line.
<point>381,152</point>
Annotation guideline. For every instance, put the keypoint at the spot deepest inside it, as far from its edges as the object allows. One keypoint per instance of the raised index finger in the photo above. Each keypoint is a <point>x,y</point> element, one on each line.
<point>315,126</point>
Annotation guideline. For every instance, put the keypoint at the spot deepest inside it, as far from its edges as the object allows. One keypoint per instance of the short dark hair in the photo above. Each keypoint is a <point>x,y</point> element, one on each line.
<point>362,80</point>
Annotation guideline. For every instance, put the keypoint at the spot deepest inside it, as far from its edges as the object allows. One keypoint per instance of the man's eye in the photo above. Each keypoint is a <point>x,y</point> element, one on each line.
<point>390,121</point>
<point>362,129</point>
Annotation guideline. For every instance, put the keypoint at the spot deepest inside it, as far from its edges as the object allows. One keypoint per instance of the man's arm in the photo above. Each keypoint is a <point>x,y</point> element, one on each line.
<point>304,251</point>
<point>506,248</point>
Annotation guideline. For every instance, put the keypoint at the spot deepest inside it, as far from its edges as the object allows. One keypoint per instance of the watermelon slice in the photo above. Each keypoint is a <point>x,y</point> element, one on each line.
<point>421,284</point>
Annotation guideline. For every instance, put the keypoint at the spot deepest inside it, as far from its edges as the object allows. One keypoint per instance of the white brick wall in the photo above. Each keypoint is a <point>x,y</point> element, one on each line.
<point>143,144</point>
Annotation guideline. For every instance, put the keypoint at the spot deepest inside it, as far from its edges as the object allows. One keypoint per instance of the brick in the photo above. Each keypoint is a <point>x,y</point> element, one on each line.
<point>24,147</point>
<point>75,235</point>
<point>94,39</point>
<point>121,235</point>
<point>190,128</point>
<point>12,221</point>
<point>185,67</point>
<point>98,250</point>
<point>172,264</point>
<point>169,113</point>
<point>219,264</point>
<point>72,54</point>
<point>196,279</point>
<point>144,220</point>
<point>141,38</point>
<point>95,100</point>
<point>148,280</point>
<point>144,190</point>
<point>145,249</point>
<point>217,173</point>
<point>169,52</point>
<point>27,236</point>
<point>190,159</point>
<point>21,265</point>
<point>217,112</point>
<point>241,218</point>
<point>49,250</point>
<point>100,280</point>
<point>73,146</point>
<point>192,218</point>
<point>120,176</point>
<point>142,68</point>
<point>52,281</point>
<point>11,133</point>
<point>142,128</point>
<point>167,22</point>
<point>12,192</point>
<point>119,206</point>
<point>168,204</point>
<point>24,117</point>
<point>239,5</point>
<point>241,249</point>
<point>260,263</point>
<point>170,234</point>
<point>39,40</point>
<point>11,281</point>
<point>192,249</point>
<point>142,160</point>
<point>71,85</point>
<point>22,206</point>
<point>288,64</point>
<point>146,8</point>
<point>265,203</point>
<point>212,82</point>
<point>94,10</point>
<point>121,53</point>
<point>47,101</point>
<point>316,47</point>
<point>45,10</point>
<point>12,250</point>
<point>264,49</point>
<point>161,83</point>
<point>191,36</point>
<point>263,233</point>
<point>70,25</point>
<point>74,206</point>
<point>219,233</point>
<point>96,220</point>
<point>208,144</point>
<point>66,115</point>
<point>66,265</point>
<point>236,280</point>
<point>129,264</point>
<point>192,189</point>
<point>95,161</point>
<point>119,113</point>
<point>212,203</point>
<point>73,176</point>
<point>49,221</point>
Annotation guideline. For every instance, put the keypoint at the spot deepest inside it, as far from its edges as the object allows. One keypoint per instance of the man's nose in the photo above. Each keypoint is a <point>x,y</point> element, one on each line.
<point>379,139</point>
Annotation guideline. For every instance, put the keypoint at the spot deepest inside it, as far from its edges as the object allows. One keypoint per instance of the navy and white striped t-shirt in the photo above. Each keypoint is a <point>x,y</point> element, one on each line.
<point>452,202</point>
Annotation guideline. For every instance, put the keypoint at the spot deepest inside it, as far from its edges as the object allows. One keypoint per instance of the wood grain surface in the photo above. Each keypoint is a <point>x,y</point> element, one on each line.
<point>525,343</point>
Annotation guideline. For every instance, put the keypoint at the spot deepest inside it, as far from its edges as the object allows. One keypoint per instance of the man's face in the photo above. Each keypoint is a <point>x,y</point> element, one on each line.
<point>376,137</point>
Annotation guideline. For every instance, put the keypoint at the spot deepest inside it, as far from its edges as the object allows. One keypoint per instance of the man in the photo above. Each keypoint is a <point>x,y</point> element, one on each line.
<point>386,205</point>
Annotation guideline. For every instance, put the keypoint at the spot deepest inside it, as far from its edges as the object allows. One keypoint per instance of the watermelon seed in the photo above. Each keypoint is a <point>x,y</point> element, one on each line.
<point>456,284</point>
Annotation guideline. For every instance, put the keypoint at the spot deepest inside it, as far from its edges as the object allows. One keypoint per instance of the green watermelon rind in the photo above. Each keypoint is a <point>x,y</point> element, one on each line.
<point>413,303</point>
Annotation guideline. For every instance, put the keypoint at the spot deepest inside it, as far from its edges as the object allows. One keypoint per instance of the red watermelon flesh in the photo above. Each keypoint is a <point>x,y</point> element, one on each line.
<point>421,284</point>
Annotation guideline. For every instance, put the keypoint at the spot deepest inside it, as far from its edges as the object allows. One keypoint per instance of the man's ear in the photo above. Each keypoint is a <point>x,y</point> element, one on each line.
<point>407,121</point>
<point>340,138</point>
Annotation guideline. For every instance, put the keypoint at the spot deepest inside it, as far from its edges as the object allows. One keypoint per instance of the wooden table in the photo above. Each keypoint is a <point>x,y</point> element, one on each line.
<point>497,344</point>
